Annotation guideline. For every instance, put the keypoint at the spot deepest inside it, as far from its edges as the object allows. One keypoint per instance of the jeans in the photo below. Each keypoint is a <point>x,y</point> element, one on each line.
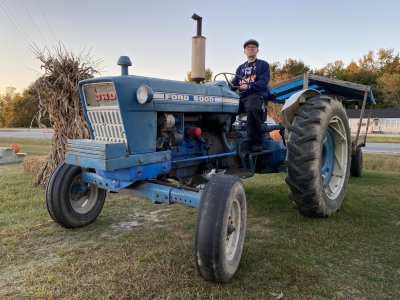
<point>254,106</point>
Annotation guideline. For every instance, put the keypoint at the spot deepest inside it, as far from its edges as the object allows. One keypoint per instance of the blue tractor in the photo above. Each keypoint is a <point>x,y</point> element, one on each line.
<point>180,142</point>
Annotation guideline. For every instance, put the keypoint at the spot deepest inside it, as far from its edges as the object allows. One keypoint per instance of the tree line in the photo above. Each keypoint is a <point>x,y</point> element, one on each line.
<point>380,70</point>
<point>21,109</point>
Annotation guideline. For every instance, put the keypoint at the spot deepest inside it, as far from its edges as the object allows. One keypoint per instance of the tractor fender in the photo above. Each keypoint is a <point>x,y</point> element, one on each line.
<point>291,106</point>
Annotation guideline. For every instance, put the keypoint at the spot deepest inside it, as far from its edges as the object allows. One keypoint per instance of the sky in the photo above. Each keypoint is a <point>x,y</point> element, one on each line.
<point>157,34</point>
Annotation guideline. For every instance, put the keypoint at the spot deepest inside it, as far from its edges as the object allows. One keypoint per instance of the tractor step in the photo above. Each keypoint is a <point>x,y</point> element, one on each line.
<point>249,159</point>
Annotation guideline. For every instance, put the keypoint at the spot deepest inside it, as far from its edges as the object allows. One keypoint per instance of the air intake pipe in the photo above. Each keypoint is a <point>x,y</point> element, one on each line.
<point>124,62</point>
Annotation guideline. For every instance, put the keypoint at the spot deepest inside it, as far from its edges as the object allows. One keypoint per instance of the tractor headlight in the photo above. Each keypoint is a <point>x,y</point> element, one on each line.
<point>144,94</point>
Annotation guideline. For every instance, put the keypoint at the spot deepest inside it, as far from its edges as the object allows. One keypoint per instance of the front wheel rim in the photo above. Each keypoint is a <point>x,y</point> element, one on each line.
<point>334,158</point>
<point>232,233</point>
<point>83,197</point>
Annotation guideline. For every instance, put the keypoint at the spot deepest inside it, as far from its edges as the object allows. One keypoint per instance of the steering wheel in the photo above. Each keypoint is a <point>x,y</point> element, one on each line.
<point>233,87</point>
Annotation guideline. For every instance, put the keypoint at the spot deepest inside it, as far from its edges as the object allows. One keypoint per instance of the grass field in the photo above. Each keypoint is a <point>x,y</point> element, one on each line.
<point>137,250</point>
<point>383,139</point>
<point>31,146</point>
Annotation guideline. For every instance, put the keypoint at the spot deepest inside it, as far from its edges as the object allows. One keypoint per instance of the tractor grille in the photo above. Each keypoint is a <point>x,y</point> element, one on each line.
<point>107,124</point>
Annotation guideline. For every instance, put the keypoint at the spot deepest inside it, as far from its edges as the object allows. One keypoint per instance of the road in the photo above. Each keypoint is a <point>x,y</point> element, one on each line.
<point>33,133</point>
<point>36,133</point>
<point>382,148</point>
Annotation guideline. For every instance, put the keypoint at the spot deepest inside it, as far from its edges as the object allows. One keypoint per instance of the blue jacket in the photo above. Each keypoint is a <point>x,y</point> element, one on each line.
<point>258,73</point>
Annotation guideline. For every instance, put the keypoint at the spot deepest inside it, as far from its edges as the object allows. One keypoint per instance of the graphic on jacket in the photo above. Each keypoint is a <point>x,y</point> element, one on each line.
<point>257,74</point>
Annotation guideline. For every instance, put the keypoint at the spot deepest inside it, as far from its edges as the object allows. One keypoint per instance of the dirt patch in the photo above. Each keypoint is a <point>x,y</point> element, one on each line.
<point>135,220</point>
<point>140,218</point>
<point>180,232</point>
<point>259,226</point>
<point>10,277</point>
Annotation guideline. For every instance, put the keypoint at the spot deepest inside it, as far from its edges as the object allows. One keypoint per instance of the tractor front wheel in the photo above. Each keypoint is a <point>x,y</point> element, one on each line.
<point>318,156</point>
<point>71,202</point>
<point>220,228</point>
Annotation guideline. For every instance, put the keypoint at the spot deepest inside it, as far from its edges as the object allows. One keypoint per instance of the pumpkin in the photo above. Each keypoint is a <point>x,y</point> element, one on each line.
<point>275,135</point>
<point>16,147</point>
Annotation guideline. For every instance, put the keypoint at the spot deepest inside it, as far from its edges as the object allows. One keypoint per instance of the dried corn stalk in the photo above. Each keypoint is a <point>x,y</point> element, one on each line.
<point>63,71</point>
<point>274,109</point>
<point>32,164</point>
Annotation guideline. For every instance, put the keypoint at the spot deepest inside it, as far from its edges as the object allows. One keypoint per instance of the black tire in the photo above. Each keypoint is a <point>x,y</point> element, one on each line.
<point>318,156</point>
<point>66,203</point>
<point>48,193</point>
<point>356,163</point>
<point>217,248</point>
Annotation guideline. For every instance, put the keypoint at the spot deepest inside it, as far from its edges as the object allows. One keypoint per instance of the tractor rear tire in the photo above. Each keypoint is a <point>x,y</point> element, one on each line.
<point>220,228</point>
<point>69,202</point>
<point>356,163</point>
<point>318,156</point>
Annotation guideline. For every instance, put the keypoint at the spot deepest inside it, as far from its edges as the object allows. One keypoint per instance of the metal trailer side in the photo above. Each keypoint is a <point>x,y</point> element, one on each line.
<point>348,90</point>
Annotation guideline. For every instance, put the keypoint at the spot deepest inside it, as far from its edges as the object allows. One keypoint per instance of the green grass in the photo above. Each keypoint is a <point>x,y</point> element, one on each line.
<point>381,162</point>
<point>383,139</point>
<point>37,147</point>
<point>352,255</point>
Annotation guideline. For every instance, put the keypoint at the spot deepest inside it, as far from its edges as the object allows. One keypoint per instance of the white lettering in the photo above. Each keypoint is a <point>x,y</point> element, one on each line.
<point>177,97</point>
<point>204,98</point>
<point>196,98</point>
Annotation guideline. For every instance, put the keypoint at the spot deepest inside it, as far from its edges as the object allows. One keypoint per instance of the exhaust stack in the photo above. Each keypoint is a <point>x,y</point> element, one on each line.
<point>198,53</point>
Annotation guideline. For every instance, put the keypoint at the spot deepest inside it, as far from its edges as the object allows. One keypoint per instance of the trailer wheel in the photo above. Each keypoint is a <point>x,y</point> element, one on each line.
<point>70,202</point>
<point>356,163</point>
<point>318,156</point>
<point>220,228</point>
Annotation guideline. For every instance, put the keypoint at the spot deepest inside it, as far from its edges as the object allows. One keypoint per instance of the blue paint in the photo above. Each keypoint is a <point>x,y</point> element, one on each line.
<point>95,149</point>
<point>290,86</point>
<point>328,156</point>
<point>122,178</point>
<point>84,108</point>
<point>104,183</point>
<point>137,173</point>
<point>287,91</point>
<point>137,158</point>
<point>198,158</point>
<point>158,193</point>
<point>124,62</point>
<point>135,115</point>
<point>324,85</point>
<point>108,156</point>
<point>371,97</point>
